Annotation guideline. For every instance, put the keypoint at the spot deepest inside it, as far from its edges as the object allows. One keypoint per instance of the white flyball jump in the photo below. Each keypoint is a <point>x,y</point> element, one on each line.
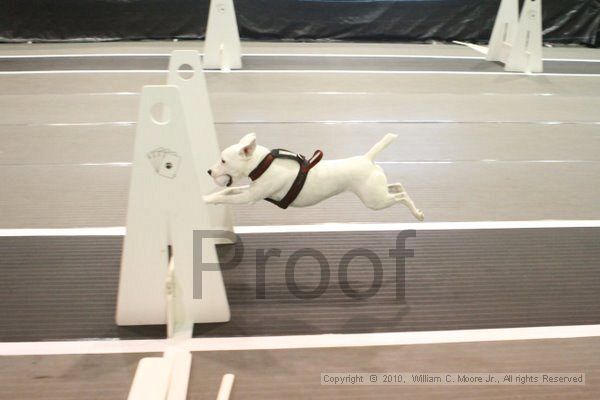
<point>222,48</point>
<point>516,41</point>
<point>175,142</point>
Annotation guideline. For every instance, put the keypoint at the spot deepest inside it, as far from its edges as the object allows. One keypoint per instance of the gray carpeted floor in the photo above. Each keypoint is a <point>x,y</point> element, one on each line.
<point>295,374</point>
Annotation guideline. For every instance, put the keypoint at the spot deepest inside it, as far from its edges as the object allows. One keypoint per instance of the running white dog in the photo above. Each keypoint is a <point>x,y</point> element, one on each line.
<point>275,178</point>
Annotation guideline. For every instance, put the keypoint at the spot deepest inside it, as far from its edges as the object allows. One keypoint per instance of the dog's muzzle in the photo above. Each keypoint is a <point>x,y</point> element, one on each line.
<point>218,179</point>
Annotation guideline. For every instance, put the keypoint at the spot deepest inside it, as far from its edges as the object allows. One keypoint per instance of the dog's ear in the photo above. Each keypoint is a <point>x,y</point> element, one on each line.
<point>248,145</point>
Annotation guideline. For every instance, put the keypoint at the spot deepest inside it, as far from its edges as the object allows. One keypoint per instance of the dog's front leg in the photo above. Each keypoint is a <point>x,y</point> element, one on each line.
<point>234,190</point>
<point>239,195</point>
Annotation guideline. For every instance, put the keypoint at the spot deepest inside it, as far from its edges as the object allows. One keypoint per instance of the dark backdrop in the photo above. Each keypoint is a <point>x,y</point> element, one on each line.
<point>565,21</point>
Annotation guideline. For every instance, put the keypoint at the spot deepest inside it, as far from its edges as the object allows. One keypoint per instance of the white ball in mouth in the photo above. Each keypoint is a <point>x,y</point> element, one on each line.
<point>222,180</point>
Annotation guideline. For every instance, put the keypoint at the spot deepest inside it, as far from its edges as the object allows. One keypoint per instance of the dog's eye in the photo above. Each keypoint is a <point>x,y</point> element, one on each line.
<point>222,161</point>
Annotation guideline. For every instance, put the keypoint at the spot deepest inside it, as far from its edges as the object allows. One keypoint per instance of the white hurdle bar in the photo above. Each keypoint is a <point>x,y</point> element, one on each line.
<point>516,41</point>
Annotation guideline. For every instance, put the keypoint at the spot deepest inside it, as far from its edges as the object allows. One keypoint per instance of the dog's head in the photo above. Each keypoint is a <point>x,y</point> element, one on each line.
<point>236,162</point>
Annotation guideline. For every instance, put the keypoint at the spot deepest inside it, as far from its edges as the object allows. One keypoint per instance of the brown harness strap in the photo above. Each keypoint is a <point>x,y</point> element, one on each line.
<point>298,184</point>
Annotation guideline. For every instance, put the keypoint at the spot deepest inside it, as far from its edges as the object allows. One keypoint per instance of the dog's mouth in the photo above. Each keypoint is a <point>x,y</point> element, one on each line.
<point>223,180</point>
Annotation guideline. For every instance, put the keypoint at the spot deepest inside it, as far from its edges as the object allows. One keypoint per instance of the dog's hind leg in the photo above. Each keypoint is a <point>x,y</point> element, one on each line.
<point>398,190</point>
<point>377,202</point>
<point>376,194</point>
<point>395,188</point>
<point>378,198</point>
<point>405,199</point>
<point>373,191</point>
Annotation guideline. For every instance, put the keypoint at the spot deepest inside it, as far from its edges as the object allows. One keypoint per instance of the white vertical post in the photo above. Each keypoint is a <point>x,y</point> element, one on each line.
<point>181,366</point>
<point>185,72</point>
<point>151,380</point>
<point>226,386</point>
<point>504,32</point>
<point>165,207</point>
<point>162,378</point>
<point>222,48</point>
<point>526,52</point>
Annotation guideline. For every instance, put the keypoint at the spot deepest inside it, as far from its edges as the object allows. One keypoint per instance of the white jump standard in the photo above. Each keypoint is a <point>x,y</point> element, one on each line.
<point>516,41</point>
<point>278,178</point>
<point>222,49</point>
<point>175,139</point>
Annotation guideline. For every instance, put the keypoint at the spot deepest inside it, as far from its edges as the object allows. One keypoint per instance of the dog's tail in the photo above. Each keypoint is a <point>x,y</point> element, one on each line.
<point>382,144</point>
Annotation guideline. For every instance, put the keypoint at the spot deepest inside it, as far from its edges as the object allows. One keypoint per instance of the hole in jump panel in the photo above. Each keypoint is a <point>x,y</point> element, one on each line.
<point>160,113</point>
<point>186,71</point>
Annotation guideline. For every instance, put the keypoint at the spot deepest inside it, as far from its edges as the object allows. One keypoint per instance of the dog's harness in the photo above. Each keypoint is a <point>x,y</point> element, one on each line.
<point>305,166</point>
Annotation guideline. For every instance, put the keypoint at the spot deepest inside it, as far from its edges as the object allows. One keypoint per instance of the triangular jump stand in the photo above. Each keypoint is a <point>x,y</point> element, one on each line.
<point>172,151</point>
<point>159,283</point>
<point>222,48</point>
<point>516,41</point>
<point>165,207</point>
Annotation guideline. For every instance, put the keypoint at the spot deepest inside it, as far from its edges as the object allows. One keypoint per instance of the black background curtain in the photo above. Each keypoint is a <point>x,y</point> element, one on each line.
<point>565,21</point>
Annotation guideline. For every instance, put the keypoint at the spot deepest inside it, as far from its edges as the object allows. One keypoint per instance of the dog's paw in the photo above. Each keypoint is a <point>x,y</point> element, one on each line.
<point>420,216</point>
<point>210,199</point>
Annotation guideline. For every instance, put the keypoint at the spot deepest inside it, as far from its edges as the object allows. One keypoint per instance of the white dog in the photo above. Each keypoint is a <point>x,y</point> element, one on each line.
<point>358,175</point>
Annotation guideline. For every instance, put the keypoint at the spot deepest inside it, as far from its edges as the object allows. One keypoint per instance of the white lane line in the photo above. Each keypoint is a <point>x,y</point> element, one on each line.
<point>400,72</point>
<point>420,226</point>
<point>419,56</point>
<point>419,162</point>
<point>104,231</point>
<point>87,71</point>
<point>325,122</point>
<point>347,55</point>
<point>296,71</point>
<point>84,55</point>
<point>112,123</point>
<point>320,55</point>
<point>299,341</point>
<point>327,227</point>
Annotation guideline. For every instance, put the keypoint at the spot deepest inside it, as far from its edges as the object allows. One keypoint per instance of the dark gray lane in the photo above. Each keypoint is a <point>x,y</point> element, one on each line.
<point>295,373</point>
<point>290,63</point>
<point>65,287</point>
